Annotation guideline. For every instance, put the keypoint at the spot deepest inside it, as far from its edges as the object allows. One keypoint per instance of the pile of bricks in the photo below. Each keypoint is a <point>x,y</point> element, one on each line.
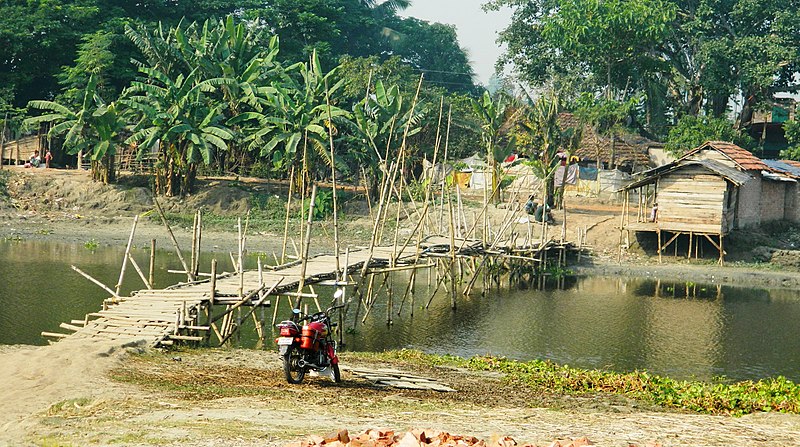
<point>421,438</point>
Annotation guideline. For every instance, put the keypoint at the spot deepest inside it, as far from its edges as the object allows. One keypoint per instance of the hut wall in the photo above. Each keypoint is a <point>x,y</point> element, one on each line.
<point>692,196</point>
<point>749,208</point>
<point>792,212</point>
<point>773,200</point>
<point>729,208</point>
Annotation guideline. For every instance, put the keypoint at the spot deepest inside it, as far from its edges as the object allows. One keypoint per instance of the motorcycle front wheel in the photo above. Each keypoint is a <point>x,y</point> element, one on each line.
<point>294,374</point>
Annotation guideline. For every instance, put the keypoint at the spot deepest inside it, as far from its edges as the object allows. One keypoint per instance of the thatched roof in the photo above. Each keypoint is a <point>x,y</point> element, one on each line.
<point>628,149</point>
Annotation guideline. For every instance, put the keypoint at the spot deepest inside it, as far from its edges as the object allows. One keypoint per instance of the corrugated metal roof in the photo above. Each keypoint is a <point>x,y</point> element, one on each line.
<point>742,157</point>
<point>792,162</point>
<point>733,175</point>
<point>784,167</point>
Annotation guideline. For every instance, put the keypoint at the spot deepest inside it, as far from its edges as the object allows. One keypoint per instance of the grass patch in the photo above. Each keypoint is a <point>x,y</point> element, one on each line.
<point>740,398</point>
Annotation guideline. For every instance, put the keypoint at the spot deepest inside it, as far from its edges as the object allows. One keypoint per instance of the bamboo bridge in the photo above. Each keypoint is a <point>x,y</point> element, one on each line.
<point>202,311</point>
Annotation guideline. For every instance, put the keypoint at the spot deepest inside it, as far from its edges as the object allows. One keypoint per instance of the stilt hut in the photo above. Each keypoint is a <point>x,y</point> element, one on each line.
<point>697,198</point>
<point>707,193</point>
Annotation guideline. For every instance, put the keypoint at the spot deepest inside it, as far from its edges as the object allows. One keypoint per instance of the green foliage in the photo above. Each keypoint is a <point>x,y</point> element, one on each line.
<point>692,131</point>
<point>685,56</point>
<point>91,245</point>
<point>740,398</point>
<point>270,206</point>
<point>415,190</point>
<point>792,131</point>
<point>323,205</point>
<point>261,169</point>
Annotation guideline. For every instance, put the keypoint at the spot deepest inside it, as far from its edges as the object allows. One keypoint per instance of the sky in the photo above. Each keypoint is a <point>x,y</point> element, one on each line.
<point>477,30</point>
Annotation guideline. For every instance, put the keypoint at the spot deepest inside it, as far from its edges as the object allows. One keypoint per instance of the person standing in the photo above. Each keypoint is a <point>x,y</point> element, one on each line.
<point>47,158</point>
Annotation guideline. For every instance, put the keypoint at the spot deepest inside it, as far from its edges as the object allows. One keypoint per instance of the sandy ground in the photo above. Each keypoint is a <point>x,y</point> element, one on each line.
<point>63,394</point>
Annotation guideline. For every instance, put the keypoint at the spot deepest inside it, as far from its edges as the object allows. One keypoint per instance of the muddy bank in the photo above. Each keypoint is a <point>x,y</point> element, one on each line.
<point>684,272</point>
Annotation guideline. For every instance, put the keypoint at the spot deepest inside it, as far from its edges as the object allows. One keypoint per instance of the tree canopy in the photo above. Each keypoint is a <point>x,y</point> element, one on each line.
<point>686,57</point>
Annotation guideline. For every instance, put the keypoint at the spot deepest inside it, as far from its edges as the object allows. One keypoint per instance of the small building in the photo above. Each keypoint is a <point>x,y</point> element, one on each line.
<point>707,193</point>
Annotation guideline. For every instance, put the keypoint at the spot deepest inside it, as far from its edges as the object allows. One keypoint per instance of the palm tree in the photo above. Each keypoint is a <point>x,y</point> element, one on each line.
<point>176,116</point>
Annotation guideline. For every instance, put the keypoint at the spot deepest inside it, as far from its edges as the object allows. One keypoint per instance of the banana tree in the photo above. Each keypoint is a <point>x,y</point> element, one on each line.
<point>94,128</point>
<point>177,118</point>
<point>548,138</point>
<point>381,120</point>
<point>296,117</point>
<point>492,117</point>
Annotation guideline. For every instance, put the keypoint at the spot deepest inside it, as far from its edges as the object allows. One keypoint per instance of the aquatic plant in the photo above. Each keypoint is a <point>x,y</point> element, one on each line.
<point>91,245</point>
<point>773,394</point>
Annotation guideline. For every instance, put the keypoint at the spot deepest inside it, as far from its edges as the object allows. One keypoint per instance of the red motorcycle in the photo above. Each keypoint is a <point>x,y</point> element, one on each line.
<point>310,347</point>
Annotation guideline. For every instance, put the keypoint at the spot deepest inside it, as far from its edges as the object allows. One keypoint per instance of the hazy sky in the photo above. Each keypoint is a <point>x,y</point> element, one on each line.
<point>477,30</point>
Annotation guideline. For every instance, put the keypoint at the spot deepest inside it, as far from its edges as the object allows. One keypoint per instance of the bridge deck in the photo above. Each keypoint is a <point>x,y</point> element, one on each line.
<point>172,313</point>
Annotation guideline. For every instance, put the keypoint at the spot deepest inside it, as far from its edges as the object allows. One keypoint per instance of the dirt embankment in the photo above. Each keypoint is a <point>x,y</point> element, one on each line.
<point>65,395</point>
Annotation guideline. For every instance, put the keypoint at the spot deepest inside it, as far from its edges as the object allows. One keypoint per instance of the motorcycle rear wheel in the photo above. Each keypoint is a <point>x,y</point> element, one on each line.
<point>294,374</point>
<point>337,376</point>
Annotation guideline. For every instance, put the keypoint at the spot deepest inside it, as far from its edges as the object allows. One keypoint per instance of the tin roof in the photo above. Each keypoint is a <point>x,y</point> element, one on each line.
<point>784,167</point>
<point>742,157</point>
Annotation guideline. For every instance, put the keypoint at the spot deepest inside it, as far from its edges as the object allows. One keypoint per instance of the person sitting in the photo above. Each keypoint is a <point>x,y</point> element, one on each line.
<point>34,161</point>
<point>530,205</point>
<point>543,213</point>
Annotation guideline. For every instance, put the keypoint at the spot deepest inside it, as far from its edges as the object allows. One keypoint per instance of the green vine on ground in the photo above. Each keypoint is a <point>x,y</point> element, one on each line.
<point>773,394</point>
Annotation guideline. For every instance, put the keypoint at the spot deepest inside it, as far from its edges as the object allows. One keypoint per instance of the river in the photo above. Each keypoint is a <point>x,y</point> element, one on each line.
<point>682,330</point>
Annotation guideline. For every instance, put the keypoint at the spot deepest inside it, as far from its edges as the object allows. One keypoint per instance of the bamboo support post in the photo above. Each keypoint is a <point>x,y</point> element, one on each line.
<point>172,238</point>
<point>152,272</point>
<point>139,271</point>
<point>126,255</point>
<point>98,283</point>
<point>306,243</point>
<point>286,223</point>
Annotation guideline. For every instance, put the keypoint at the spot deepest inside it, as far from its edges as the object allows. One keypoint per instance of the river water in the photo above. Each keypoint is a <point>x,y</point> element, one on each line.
<point>681,330</point>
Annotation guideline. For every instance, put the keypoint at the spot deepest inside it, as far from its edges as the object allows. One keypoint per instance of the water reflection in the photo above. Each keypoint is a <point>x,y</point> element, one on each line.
<point>682,330</point>
<point>676,329</point>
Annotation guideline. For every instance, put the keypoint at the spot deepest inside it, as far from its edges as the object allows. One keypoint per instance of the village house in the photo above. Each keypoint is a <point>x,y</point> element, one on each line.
<point>709,192</point>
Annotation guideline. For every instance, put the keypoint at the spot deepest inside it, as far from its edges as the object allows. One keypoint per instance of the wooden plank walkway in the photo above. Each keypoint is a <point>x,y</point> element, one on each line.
<point>160,315</point>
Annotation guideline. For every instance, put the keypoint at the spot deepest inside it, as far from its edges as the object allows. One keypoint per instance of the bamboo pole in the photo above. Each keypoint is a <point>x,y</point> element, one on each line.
<point>193,260</point>
<point>333,178</point>
<point>127,253</point>
<point>139,271</point>
<point>174,241</point>
<point>239,266</point>
<point>306,244</point>
<point>452,253</point>
<point>101,285</point>
<point>3,140</point>
<point>286,223</point>
<point>196,267</point>
<point>152,271</point>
